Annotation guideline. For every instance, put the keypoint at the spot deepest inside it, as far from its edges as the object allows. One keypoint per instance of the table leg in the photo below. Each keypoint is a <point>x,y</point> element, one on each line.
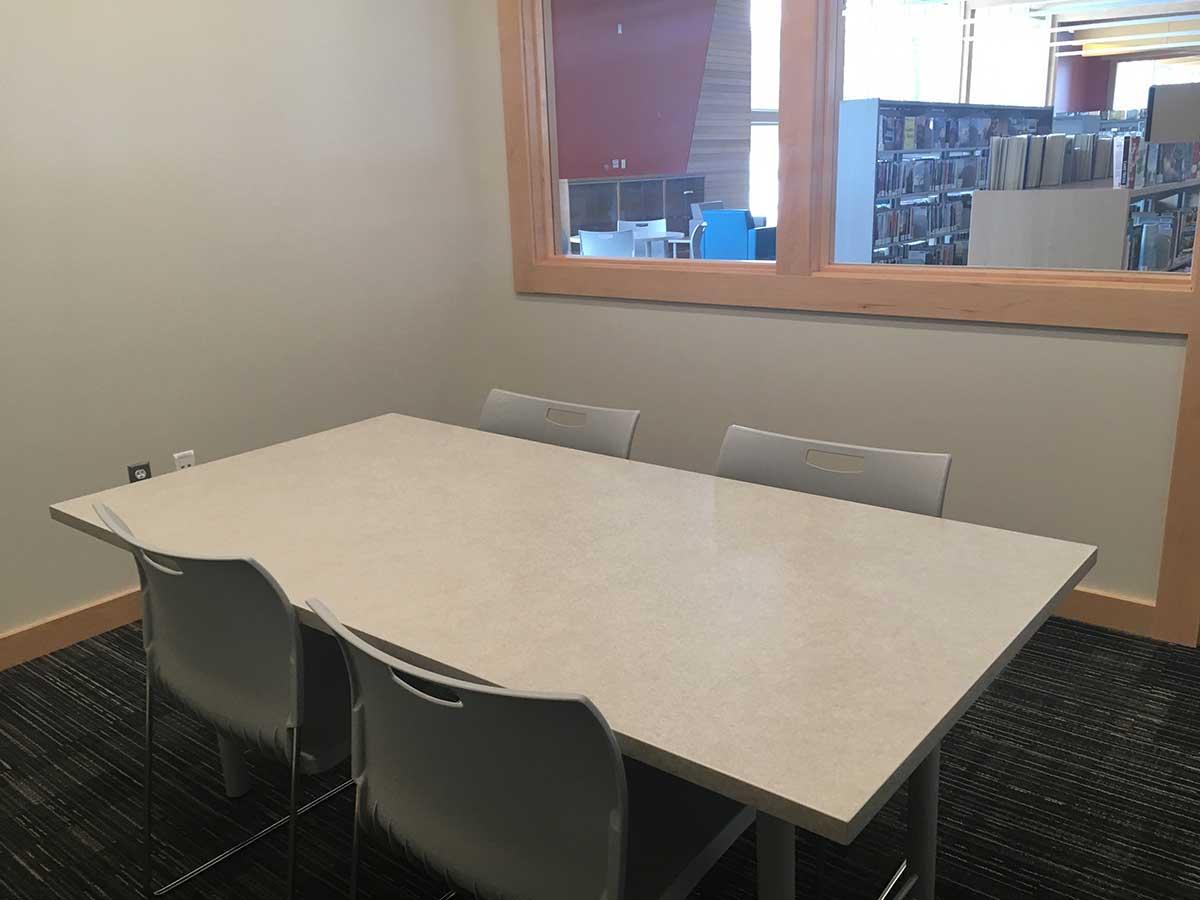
<point>233,767</point>
<point>776,844</point>
<point>922,825</point>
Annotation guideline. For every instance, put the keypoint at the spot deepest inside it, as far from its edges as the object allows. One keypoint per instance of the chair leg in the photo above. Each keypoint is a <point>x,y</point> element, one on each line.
<point>354,846</point>
<point>821,869</point>
<point>291,874</point>
<point>147,880</point>
<point>294,813</point>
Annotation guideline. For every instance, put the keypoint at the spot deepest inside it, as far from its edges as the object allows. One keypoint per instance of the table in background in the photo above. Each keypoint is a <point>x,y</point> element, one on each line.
<point>800,654</point>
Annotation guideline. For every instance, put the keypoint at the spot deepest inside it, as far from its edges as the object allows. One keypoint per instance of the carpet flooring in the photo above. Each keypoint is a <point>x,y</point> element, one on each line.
<point>1077,775</point>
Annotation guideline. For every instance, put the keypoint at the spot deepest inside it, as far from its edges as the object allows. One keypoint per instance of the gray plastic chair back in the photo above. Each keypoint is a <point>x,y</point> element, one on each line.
<point>606,243</point>
<point>642,228</point>
<point>596,429</point>
<point>897,479</point>
<point>507,794</point>
<point>222,638</point>
<point>697,238</point>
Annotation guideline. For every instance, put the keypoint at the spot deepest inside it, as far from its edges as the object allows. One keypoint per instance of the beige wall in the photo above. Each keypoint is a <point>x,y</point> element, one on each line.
<point>222,224</point>
<point>228,223</point>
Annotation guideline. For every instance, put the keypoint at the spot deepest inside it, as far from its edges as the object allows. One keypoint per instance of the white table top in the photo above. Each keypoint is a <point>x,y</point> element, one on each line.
<point>798,653</point>
<point>641,236</point>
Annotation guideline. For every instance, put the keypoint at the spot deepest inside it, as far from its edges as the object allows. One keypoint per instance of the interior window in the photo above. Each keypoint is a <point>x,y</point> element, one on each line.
<point>665,132</point>
<point>983,133</point>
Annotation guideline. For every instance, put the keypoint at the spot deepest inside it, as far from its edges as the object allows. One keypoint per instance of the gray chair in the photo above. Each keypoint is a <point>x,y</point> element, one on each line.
<point>696,241</point>
<point>698,209</point>
<point>898,479</point>
<point>606,243</point>
<point>656,249</point>
<point>511,794</point>
<point>222,640</point>
<point>596,429</point>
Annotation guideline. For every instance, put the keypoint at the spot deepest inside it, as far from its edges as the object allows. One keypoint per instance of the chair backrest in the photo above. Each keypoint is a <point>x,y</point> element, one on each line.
<point>506,793</point>
<point>651,226</point>
<point>220,636</point>
<point>898,479</point>
<point>727,235</point>
<point>606,243</point>
<point>596,429</point>
<point>699,208</point>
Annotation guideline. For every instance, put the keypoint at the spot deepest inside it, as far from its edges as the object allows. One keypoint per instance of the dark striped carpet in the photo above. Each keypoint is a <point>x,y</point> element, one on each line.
<point>1076,776</point>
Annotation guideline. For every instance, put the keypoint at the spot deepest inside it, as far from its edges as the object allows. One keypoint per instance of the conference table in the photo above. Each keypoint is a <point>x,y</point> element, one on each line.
<point>800,654</point>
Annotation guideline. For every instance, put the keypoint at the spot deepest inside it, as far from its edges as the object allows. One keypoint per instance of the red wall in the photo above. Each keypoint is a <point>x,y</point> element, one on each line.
<point>630,96</point>
<point>1081,83</point>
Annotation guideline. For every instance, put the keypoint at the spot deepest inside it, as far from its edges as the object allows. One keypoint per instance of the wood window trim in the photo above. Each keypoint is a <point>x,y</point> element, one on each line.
<point>801,280</point>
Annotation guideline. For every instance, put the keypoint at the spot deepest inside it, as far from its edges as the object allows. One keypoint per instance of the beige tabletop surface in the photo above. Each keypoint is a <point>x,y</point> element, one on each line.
<point>798,653</point>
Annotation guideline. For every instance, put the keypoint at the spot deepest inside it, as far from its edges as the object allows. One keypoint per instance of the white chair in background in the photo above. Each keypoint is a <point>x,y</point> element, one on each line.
<point>606,243</point>
<point>897,479</point>
<point>596,429</point>
<point>643,228</point>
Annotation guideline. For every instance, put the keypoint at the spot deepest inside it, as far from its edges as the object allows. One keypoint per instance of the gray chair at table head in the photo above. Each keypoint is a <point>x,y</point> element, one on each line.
<point>223,640</point>
<point>514,794</point>
<point>596,429</point>
<point>898,479</point>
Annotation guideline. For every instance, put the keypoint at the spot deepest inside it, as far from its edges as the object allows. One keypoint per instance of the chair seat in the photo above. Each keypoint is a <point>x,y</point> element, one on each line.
<point>676,832</point>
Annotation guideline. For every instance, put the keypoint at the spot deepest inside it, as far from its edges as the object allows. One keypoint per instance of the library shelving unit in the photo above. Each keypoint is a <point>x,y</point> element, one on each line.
<point>907,170</point>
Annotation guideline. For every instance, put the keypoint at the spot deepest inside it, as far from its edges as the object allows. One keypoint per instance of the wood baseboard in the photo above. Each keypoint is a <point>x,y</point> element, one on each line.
<point>1108,611</point>
<point>39,638</point>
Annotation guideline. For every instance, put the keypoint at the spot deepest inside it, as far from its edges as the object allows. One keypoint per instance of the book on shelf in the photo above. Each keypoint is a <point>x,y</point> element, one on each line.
<point>1163,241</point>
<point>936,132</point>
<point>951,253</point>
<point>1125,152</point>
<point>1028,161</point>
<point>917,176</point>
<point>1037,156</point>
<point>1054,158</point>
<point>1138,164</point>
<point>1016,160</point>
<point>920,221</point>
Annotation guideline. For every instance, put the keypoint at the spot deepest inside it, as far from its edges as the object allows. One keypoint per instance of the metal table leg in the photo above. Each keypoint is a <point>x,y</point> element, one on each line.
<point>776,858</point>
<point>233,767</point>
<point>922,825</point>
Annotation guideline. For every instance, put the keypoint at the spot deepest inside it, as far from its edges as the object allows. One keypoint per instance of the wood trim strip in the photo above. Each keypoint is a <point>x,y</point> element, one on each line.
<point>757,285</point>
<point>1108,611</point>
<point>1178,618</point>
<point>797,141</point>
<point>56,632</point>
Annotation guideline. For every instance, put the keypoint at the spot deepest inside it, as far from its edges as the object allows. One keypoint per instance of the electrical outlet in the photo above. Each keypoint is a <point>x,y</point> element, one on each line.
<point>139,472</point>
<point>185,459</point>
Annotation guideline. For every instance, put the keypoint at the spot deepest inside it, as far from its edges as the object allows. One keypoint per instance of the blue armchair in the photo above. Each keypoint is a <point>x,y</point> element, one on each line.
<point>730,234</point>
